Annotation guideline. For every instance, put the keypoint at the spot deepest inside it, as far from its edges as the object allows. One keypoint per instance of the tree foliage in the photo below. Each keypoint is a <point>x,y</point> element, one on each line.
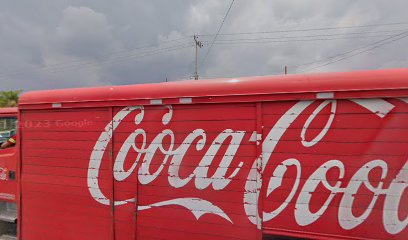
<point>9,98</point>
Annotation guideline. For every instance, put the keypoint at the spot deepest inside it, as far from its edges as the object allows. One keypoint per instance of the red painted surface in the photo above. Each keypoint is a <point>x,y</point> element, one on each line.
<point>232,164</point>
<point>270,85</point>
<point>9,111</point>
<point>8,163</point>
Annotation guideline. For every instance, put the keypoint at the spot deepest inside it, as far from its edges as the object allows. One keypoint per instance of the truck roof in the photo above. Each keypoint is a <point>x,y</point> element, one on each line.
<point>391,79</point>
<point>8,110</point>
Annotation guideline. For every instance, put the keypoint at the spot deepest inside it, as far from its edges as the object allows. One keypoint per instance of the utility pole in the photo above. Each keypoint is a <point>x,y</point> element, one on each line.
<point>198,44</point>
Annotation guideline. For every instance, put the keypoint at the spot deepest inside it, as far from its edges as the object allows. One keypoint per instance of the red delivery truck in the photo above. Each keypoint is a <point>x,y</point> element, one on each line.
<point>319,156</point>
<point>8,178</point>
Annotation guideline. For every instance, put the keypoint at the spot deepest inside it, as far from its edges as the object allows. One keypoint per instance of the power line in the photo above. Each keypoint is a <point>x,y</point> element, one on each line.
<point>117,59</point>
<point>233,42</point>
<point>358,53</point>
<point>119,53</point>
<point>218,32</point>
<point>112,55</point>
<point>307,29</point>
<point>123,57</point>
<point>348,52</point>
<point>91,64</point>
<point>128,54</point>
<point>299,39</point>
<point>364,33</point>
<point>363,49</point>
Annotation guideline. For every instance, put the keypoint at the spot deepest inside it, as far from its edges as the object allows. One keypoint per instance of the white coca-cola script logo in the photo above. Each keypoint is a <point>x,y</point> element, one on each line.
<point>173,157</point>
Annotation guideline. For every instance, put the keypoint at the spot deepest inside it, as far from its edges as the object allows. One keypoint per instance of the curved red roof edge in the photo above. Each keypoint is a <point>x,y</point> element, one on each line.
<point>320,82</point>
<point>8,110</point>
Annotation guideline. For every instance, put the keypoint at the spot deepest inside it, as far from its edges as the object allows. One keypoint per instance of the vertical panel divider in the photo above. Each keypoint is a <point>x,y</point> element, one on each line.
<point>136,206</point>
<point>19,169</point>
<point>259,131</point>
<point>111,162</point>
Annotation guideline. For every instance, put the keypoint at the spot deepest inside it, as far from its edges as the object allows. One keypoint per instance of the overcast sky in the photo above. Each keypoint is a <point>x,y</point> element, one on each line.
<point>61,44</point>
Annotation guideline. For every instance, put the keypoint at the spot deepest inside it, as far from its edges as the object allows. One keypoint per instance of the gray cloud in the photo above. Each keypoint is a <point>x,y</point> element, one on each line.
<point>56,44</point>
<point>83,32</point>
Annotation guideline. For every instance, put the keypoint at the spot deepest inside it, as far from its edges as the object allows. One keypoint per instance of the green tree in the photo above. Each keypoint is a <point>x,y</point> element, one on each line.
<point>9,98</point>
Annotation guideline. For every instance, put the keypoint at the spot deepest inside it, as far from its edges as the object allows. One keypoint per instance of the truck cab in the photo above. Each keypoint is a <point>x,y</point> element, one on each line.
<point>8,179</point>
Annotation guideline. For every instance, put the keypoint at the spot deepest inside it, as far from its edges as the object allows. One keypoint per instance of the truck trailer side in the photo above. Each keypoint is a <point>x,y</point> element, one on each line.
<point>320,156</point>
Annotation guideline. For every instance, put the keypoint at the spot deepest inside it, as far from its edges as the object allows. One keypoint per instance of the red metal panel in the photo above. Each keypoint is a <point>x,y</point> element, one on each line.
<point>335,169</point>
<point>172,208</point>
<point>9,165</point>
<point>125,214</point>
<point>55,202</point>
